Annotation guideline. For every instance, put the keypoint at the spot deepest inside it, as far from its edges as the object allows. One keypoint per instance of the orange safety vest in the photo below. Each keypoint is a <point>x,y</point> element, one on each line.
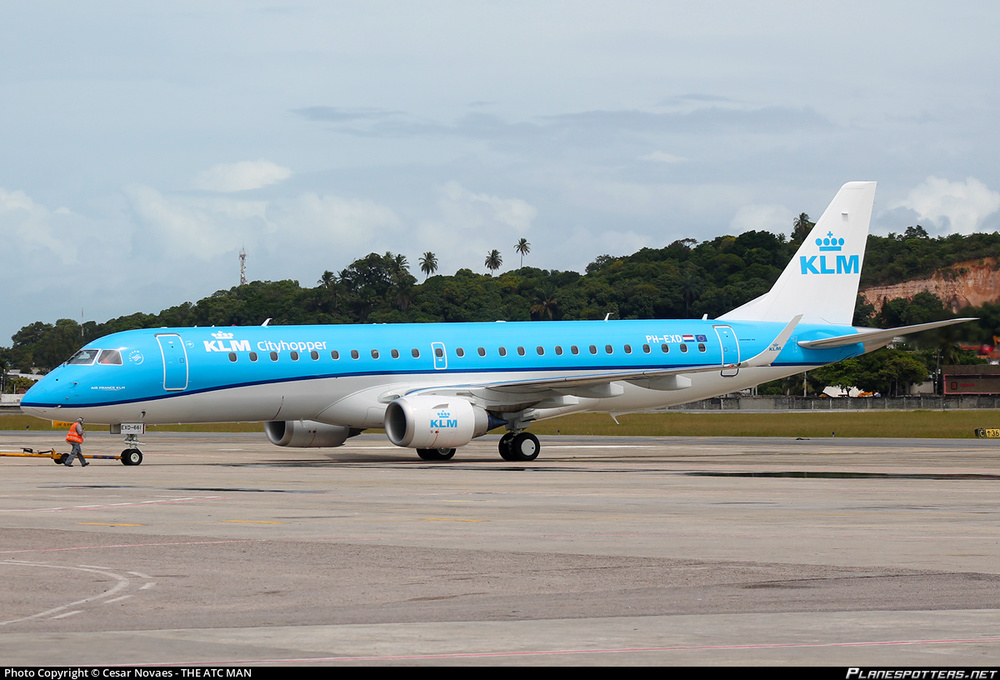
<point>74,434</point>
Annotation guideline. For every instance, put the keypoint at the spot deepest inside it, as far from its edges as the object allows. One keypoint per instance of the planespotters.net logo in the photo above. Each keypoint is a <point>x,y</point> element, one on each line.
<point>920,674</point>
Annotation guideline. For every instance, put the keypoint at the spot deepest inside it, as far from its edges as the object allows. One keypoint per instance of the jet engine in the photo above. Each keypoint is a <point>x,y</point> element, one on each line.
<point>429,422</point>
<point>307,434</point>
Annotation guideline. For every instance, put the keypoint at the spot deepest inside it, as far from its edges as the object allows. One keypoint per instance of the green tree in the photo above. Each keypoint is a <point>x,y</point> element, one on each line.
<point>428,264</point>
<point>522,248</point>
<point>494,260</point>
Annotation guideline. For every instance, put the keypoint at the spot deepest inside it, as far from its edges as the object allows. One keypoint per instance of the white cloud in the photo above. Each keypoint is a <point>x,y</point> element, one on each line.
<point>773,218</point>
<point>473,224</point>
<point>663,157</point>
<point>28,228</point>
<point>952,207</point>
<point>202,228</point>
<point>242,176</point>
<point>332,223</point>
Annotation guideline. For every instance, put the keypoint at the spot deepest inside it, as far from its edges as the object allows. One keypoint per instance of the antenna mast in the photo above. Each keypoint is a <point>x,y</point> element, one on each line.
<point>243,266</point>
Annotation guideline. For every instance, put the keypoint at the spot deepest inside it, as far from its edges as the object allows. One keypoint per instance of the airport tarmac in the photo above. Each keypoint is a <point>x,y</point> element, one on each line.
<point>222,549</point>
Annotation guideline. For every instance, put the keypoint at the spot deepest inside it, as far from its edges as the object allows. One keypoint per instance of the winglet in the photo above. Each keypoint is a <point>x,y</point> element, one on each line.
<point>767,357</point>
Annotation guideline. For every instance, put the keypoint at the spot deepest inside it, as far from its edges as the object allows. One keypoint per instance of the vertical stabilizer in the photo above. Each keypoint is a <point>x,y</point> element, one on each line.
<point>821,281</point>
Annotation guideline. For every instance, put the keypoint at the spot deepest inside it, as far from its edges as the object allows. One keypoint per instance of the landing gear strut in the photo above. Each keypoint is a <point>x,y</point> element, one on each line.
<point>521,447</point>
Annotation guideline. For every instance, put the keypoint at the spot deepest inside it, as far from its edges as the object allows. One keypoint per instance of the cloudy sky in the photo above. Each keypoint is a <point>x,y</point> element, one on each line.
<point>143,144</point>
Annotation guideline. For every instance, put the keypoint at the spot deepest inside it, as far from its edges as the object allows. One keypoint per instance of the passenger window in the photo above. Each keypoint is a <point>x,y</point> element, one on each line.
<point>438,352</point>
<point>645,349</point>
<point>701,347</point>
<point>374,354</point>
<point>482,351</point>
<point>274,356</point>
<point>334,355</point>
<point>395,354</point>
<point>665,348</point>
<point>294,356</point>
<point>574,349</point>
<point>559,350</point>
<point>609,349</point>
<point>460,352</point>
<point>415,352</point>
<point>315,355</point>
<point>593,349</point>
<point>628,349</point>
<point>232,356</point>
<point>502,351</point>
<point>520,350</point>
<point>355,354</point>
<point>253,356</point>
<point>540,350</point>
<point>684,348</point>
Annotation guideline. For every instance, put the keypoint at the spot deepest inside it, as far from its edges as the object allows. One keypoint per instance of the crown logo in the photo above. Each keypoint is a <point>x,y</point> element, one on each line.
<point>222,335</point>
<point>443,414</point>
<point>830,243</point>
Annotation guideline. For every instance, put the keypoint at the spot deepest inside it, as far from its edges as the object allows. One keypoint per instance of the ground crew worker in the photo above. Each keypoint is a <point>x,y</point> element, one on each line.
<point>75,438</point>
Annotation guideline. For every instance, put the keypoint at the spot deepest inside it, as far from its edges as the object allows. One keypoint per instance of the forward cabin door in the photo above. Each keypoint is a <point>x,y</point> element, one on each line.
<point>175,363</point>
<point>730,350</point>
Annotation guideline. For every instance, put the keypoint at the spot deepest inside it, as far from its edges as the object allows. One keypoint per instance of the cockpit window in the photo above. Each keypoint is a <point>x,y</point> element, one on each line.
<point>110,357</point>
<point>85,357</point>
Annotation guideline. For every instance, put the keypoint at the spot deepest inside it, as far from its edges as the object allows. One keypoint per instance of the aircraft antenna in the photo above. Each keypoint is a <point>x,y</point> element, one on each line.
<point>243,266</point>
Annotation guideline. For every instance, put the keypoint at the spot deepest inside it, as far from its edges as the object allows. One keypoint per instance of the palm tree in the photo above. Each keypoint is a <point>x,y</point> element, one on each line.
<point>494,260</point>
<point>522,247</point>
<point>801,228</point>
<point>428,264</point>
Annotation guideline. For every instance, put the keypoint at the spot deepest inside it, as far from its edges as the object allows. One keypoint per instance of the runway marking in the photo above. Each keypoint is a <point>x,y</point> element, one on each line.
<point>63,616</point>
<point>108,524</point>
<point>251,521</point>
<point>446,519</point>
<point>60,612</point>
<point>118,599</point>
<point>125,545</point>
<point>166,501</point>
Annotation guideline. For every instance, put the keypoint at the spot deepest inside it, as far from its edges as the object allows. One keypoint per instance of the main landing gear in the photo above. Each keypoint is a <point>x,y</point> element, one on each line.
<point>520,447</point>
<point>435,454</point>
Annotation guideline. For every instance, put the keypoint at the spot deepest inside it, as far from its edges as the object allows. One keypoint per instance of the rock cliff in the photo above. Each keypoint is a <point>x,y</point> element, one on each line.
<point>961,285</point>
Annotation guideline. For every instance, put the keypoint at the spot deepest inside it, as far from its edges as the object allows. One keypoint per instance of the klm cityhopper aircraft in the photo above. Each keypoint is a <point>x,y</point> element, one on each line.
<point>437,386</point>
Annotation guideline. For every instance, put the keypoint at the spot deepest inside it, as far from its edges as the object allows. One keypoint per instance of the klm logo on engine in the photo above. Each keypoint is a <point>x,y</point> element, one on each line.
<point>836,264</point>
<point>443,420</point>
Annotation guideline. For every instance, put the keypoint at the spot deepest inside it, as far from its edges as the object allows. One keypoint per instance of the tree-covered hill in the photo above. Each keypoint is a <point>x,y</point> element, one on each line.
<point>683,279</point>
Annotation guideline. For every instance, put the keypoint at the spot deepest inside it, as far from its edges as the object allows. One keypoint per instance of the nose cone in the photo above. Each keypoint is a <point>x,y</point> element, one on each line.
<point>40,400</point>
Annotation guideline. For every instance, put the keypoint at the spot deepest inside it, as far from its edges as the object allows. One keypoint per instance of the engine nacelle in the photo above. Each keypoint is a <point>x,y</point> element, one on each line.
<point>306,434</point>
<point>429,422</point>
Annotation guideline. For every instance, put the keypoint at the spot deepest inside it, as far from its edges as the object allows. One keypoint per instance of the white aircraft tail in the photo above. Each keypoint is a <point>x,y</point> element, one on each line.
<point>821,281</point>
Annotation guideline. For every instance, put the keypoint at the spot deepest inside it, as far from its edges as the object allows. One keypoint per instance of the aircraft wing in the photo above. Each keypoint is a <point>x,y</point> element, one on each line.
<point>875,337</point>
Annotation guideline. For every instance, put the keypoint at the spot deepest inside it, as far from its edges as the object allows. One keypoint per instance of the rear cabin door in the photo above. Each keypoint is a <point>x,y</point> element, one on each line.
<point>730,350</point>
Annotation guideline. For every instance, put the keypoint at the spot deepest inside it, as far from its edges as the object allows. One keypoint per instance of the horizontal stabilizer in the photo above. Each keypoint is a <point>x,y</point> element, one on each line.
<point>875,336</point>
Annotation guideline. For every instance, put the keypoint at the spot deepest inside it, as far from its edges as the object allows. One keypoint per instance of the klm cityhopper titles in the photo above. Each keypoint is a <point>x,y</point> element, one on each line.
<point>435,387</point>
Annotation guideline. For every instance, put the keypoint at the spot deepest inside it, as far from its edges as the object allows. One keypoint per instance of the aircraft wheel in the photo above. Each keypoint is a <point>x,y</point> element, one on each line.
<point>131,457</point>
<point>435,454</point>
<point>504,446</point>
<point>524,447</point>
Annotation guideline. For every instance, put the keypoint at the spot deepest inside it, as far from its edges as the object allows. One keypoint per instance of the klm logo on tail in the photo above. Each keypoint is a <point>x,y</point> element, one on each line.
<point>841,264</point>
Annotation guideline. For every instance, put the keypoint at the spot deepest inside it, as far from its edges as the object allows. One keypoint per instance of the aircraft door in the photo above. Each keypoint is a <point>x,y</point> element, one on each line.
<point>730,350</point>
<point>175,365</point>
<point>440,356</point>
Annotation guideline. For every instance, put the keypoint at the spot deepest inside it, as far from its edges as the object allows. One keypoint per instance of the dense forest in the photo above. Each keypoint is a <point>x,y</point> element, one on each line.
<point>684,279</point>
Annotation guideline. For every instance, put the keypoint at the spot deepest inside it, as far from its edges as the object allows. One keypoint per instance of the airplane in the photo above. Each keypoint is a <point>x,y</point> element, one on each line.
<point>435,387</point>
